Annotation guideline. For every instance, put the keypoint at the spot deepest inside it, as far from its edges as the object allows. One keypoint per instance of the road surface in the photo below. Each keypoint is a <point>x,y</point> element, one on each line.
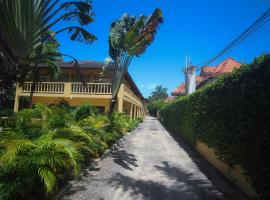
<point>151,164</point>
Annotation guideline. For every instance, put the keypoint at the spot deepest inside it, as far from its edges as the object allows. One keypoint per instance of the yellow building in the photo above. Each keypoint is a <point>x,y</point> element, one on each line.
<point>96,92</point>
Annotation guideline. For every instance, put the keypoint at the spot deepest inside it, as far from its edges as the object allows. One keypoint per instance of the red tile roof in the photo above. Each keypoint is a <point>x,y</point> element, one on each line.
<point>225,66</point>
<point>206,71</point>
<point>179,90</point>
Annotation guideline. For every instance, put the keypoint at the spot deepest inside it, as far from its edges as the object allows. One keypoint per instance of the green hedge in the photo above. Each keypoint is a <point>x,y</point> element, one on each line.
<point>233,117</point>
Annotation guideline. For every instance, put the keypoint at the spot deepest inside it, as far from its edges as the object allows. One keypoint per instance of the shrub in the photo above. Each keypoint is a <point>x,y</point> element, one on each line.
<point>35,167</point>
<point>98,121</point>
<point>6,113</point>
<point>155,105</point>
<point>48,146</point>
<point>63,103</point>
<point>231,116</point>
<point>119,122</point>
<point>84,111</point>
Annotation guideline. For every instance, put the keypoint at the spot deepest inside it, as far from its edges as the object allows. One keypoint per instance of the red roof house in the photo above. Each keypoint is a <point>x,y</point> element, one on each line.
<point>210,73</point>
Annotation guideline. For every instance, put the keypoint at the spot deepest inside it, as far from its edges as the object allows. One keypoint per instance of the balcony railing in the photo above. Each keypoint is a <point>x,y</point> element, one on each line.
<point>45,87</point>
<point>130,95</point>
<point>68,88</point>
<point>91,88</point>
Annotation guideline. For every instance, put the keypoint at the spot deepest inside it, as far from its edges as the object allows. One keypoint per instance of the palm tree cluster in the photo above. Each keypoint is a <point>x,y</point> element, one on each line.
<point>129,37</point>
<point>49,145</point>
<point>26,27</point>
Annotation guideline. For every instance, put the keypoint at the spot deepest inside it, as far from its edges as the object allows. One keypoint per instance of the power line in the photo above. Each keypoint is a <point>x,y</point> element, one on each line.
<point>259,23</point>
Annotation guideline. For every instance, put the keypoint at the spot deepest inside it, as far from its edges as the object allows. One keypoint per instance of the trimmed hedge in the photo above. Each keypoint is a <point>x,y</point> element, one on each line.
<point>233,117</point>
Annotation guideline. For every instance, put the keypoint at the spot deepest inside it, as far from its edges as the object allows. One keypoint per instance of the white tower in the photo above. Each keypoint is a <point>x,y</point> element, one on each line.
<point>190,77</point>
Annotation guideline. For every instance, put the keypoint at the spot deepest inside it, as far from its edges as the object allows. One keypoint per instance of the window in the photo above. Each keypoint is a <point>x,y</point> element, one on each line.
<point>43,78</point>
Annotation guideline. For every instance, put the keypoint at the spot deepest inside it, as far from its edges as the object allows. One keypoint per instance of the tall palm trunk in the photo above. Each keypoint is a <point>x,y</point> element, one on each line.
<point>33,87</point>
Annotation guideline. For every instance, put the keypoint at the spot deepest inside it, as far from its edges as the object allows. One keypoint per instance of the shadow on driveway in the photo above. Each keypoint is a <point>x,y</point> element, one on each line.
<point>123,158</point>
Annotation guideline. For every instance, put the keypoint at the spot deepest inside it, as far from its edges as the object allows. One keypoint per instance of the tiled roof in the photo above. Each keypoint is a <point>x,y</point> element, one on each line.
<point>225,66</point>
<point>179,90</point>
<point>206,71</point>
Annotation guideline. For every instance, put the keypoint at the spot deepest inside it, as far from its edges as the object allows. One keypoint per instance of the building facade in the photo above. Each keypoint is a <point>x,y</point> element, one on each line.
<point>209,74</point>
<point>96,91</point>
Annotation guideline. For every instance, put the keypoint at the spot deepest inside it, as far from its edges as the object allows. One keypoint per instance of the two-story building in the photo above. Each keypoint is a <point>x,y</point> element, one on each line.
<point>96,91</point>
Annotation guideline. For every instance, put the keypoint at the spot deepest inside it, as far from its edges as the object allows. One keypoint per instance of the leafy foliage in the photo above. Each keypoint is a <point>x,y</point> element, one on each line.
<point>231,116</point>
<point>48,146</point>
<point>129,36</point>
<point>156,100</point>
<point>154,106</point>
<point>84,111</point>
<point>27,28</point>
<point>159,93</point>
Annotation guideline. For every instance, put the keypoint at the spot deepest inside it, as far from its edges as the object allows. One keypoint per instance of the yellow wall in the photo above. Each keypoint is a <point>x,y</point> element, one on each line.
<point>234,175</point>
<point>74,101</point>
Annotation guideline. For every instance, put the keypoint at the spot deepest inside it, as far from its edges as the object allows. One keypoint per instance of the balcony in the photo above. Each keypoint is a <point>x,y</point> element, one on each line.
<point>131,97</point>
<point>66,89</point>
<point>76,89</point>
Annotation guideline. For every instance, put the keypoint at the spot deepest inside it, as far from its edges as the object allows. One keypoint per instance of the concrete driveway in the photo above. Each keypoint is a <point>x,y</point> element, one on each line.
<point>151,164</point>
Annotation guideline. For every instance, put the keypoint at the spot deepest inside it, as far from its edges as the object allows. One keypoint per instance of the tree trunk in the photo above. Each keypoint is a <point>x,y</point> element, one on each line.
<point>31,94</point>
<point>33,87</point>
<point>112,105</point>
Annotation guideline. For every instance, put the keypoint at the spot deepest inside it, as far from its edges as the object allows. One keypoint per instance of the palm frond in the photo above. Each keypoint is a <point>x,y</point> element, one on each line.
<point>48,178</point>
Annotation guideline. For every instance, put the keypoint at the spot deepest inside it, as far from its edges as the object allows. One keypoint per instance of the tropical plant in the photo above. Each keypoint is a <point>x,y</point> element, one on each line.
<point>27,25</point>
<point>47,146</point>
<point>159,93</point>
<point>50,46</point>
<point>34,167</point>
<point>129,37</point>
<point>84,111</point>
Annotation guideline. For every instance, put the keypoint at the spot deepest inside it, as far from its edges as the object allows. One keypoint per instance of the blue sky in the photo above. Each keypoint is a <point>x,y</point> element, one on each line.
<point>200,28</point>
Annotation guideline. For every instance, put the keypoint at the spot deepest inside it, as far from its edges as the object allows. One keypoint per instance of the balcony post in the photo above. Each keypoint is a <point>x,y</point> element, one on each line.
<point>17,98</point>
<point>16,103</point>
<point>67,89</point>
<point>120,99</point>
<point>131,112</point>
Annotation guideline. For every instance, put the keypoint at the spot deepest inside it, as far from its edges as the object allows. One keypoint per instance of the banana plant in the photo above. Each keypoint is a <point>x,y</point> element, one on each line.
<point>26,24</point>
<point>129,36</point>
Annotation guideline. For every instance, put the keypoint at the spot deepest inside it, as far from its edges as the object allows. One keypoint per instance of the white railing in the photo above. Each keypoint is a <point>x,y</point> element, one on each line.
<point>44,87</point>
<point>91,88</point>
<point>68,88</point>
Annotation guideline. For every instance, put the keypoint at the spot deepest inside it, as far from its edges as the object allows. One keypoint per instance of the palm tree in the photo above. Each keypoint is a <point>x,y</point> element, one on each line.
<point>49,47</point>
<point>129,37</point>
<point>35,164</point>
<point>159,93</point>
<point>25,26</point>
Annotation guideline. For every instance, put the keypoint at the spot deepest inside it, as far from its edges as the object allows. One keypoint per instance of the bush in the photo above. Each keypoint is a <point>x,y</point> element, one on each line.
<point>49,145</point>
<point>231,116</point>
<point>154,106</point>
<point>84,111</point>
<point>118,123</point>
<point>6,113</point>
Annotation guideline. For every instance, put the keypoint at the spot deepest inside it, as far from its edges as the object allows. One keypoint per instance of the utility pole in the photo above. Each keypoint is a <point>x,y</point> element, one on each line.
<point>190,77</point>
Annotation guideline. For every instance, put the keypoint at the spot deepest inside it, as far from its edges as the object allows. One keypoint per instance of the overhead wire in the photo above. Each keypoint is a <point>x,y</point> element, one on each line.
<point>258,24</point>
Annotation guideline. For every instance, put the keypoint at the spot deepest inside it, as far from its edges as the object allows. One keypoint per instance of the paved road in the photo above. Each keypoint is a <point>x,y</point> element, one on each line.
<point>150,164</point>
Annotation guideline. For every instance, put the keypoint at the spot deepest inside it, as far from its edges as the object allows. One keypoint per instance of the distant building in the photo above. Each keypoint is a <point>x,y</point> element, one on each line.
<point>209,74</point>
<point>169,99</point>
